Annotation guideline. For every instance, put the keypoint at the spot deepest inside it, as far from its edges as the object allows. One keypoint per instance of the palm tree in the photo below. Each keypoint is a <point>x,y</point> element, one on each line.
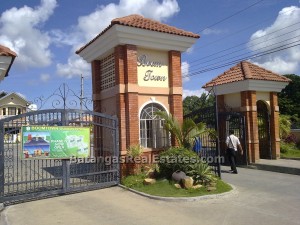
<point>184,133</point>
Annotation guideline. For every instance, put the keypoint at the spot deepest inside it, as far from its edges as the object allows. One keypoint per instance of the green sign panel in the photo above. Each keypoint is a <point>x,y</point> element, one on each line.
<point>55,142</point>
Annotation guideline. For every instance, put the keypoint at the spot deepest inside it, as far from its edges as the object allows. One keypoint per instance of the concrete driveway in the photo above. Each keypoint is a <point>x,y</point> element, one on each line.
<point>262,197</point>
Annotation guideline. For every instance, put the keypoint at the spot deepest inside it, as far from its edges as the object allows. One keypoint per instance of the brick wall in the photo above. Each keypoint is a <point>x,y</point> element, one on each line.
<point>175,80</point>
<point>248,103</point>
<point>274,126</point>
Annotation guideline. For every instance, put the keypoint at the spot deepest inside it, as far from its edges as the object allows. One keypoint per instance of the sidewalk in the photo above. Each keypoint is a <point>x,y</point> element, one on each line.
<point>289,166</point>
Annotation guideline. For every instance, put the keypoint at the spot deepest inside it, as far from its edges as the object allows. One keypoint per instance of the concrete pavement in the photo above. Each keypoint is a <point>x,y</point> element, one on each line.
<point>289,166</point>
<point>262,198</point>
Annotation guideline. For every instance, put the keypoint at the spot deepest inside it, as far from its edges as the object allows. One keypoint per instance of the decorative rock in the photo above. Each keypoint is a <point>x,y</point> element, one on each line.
<point>211,188</point>
<point>177,186</point>
<point>187,182</point>
<point>178,175</point>
<point>149,181</point>
<point>197,186</point>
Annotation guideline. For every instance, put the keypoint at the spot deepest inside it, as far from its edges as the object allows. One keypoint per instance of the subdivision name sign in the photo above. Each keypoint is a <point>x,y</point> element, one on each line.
<point>55,142</point>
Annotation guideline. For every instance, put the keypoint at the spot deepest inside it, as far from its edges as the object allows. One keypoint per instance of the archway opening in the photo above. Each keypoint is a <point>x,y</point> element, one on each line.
<point>152,132</point>
<point>263,122</point>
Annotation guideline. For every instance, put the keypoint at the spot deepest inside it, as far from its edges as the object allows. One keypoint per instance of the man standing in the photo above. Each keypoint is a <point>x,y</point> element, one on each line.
<point>233,143</point>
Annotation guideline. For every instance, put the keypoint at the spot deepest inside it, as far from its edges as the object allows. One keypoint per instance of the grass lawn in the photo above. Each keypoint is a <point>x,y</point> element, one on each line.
<point>165,188</point>
<point>292,153</point>
<point>289,150</point>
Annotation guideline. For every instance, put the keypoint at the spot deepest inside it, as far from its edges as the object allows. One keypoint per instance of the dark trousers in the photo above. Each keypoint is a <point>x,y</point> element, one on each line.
<point>231,155</point>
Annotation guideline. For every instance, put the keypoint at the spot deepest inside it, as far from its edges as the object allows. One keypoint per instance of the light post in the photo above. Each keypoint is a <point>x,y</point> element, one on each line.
<point>7,58</point>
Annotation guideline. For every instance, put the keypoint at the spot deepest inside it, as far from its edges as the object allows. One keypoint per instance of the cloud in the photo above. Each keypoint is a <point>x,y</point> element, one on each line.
<point>89,26</point>
<point>282,62</point>
<point>76,66</point>
<point>45,77</point>
<point>185,71</point>
<point>193,92</point>
<point>20,30</point>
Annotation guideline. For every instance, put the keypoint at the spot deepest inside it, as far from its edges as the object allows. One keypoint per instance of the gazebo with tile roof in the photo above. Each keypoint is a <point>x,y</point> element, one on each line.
<point>248,88</point>
<point>136,69</point>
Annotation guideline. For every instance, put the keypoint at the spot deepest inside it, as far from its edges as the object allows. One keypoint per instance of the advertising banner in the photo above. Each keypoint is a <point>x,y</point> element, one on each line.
<point>55,142</point>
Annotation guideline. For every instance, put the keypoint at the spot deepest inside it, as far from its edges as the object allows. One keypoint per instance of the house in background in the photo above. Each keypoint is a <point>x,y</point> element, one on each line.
<point>12,104</point>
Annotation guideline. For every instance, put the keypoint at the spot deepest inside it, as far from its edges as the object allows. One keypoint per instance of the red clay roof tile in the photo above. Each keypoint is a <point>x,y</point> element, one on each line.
<point>245,71</point>
<point>141,22</point>
<point>4,51</point>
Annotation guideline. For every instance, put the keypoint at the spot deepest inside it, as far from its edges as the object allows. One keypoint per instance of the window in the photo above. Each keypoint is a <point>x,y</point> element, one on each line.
<point>4,111</point>
<point>152,132</point>
<point>19,111</point>
<point>11,111</point>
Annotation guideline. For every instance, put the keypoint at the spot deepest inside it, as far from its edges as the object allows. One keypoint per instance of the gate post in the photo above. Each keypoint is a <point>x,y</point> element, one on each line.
<point>66,174</point>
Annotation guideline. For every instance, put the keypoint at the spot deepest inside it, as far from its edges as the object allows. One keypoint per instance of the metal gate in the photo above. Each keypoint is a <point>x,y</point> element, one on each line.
<point>209,143</point>
<point>215,147</point>
<point>23,179</point>
<point>234,121</point>
<point>263,122</point>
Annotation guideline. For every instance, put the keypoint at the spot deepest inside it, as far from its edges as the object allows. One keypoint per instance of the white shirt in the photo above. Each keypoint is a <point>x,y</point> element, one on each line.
<point>233,143</point>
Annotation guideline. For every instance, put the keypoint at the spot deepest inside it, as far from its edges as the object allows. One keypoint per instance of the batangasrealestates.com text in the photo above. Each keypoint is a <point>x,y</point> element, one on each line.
<point>109,160</point>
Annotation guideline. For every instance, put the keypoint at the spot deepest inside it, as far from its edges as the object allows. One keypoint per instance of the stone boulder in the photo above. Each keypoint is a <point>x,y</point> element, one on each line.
<point>149,181</point>
<point>187,182</point>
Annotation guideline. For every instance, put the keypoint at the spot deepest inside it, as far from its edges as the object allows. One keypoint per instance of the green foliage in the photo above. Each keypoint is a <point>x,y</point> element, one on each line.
<point>172,160</point>
<point>289,150</point>
<point>165,188</point>
<point>201,173</point>
<point>193,103</point>
<point>184,133</point>
<point>288,98</point>
<point>133,180</point>
<point>135,151</point>
<point>284,126</point>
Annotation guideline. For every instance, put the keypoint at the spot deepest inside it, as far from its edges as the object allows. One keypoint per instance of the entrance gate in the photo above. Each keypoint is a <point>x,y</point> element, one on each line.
<point>263,131</point>
<point>214,147</point>
<point>22,179</point>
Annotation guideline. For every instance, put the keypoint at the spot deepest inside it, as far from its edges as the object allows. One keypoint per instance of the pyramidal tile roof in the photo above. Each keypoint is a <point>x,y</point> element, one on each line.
<point>141,22</point>
<point>4,51</point>
<point>245,71</point>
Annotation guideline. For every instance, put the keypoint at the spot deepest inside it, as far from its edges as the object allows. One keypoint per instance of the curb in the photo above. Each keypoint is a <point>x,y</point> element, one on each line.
<point>278,169</point>
<point>184,199</point>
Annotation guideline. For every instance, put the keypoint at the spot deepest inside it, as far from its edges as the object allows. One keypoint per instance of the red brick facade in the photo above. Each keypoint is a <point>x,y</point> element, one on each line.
<point>248,103</point>
<point>274,126</point>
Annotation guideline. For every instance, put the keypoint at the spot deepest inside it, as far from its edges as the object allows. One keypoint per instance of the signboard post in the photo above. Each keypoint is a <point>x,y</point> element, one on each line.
<point>55,142</point>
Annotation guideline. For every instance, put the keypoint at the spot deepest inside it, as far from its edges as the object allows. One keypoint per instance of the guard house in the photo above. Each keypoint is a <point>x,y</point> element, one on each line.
<point>136,71</point>
<point>252,90</point>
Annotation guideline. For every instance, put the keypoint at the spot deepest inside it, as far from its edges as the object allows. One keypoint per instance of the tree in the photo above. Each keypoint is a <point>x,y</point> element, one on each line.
<point>193,103</point>
<point>288,98</point>
<point>184,133</point>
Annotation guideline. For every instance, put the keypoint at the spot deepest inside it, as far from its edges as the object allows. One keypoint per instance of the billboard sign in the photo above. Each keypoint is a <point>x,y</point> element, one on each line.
<point>55,141</point>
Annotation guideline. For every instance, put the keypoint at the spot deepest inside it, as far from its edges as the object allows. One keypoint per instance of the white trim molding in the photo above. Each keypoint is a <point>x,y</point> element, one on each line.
<point>121,35</point>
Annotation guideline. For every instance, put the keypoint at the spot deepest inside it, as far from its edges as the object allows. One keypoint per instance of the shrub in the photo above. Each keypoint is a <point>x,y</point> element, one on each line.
<point>201,173</point>
<point>291,138</point>
<point>285,147</point>
<point>175,159</point>
<point>135,151</point>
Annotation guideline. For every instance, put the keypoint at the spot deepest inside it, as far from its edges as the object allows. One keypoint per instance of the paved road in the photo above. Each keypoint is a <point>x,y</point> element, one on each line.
<point>263,198</point>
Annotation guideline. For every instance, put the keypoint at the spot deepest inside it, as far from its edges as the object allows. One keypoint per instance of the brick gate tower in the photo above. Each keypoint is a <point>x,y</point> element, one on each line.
<point>252,90</point>
<point>136,70</point>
